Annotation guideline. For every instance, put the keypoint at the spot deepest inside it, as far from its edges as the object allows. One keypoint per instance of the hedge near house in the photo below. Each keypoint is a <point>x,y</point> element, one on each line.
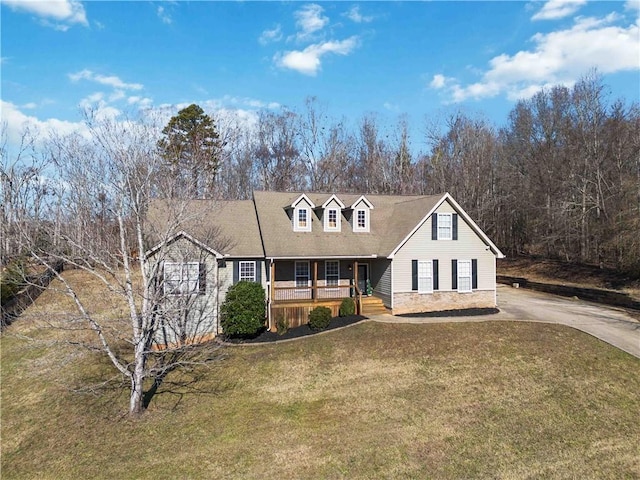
<point>319,318</point>
<point>243,310</point>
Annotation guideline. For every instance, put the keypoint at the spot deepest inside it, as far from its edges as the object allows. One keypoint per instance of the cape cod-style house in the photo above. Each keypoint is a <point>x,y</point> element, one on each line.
<point>396,254</point>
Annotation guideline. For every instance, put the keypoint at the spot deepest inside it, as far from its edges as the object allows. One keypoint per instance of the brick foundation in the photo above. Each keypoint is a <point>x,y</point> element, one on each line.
<point>414,302</point>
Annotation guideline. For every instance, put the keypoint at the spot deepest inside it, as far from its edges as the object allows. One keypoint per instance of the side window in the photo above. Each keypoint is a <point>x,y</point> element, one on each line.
<point>181,278</point>
<point>247,271</point>
<point>425,277</point>
<point>444,226</point>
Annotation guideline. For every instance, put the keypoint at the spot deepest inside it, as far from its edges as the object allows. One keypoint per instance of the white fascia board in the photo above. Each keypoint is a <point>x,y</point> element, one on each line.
<point>361,198</point>
<point>300,198</point>
<point>185,235</point>
<point>325,257</point>
<point>333,197</point>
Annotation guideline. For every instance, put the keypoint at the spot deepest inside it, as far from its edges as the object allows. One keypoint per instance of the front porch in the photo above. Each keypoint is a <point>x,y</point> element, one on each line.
<point>299,286</point>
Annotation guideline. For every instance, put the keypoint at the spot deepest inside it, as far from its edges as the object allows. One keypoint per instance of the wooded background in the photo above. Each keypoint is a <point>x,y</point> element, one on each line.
<point>561,179</point>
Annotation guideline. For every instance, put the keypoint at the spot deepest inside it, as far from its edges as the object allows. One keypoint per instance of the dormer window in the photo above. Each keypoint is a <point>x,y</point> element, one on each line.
<point>360,218</point>
<point>301,216</point>
<point>302,219</point>
<point>333,218</point>
<point>331,213</point>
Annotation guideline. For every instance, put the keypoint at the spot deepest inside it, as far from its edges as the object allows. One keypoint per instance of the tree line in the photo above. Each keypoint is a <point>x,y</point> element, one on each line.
<point>561,179</point>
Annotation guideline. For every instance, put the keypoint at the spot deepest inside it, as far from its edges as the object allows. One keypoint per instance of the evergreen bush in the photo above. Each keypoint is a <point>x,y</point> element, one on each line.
<point>319,318</point>
<point>243,310</point>
<point>347,307</point>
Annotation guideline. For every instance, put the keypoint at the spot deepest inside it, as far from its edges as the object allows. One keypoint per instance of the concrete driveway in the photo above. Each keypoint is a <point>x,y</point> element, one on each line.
<point>609,324</point>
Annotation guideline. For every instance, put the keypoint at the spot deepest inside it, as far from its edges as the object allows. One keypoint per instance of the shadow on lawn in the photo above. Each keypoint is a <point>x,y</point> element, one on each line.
<point>298,332</point>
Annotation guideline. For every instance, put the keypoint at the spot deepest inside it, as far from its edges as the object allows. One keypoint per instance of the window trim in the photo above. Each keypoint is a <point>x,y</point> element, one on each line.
<point>326,273</point>
<point>240,276</point>
<point>428,286</point>
<point>180,291</point>
<point>356,215</point>
<point>297,227</point>
<point>296,276</point>
<point>470,276</point>
<point>327,224</point>
<point>445,215</point>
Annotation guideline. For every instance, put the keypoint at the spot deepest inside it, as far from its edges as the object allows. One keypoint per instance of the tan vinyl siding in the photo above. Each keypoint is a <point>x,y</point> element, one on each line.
<point>202,308</point>
<point>381,278</point>
<point>420,247</point>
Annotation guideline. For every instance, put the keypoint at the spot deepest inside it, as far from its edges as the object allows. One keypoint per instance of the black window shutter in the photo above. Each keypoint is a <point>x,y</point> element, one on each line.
<point>474,273</point>
<point>236,271</point>
<point>202,278</point>
<point>454,226</point>
<point>435,275</point>
<point>454,274</point>
<point>434,226</point>
<point>258,271</point>
<point>414,274</point>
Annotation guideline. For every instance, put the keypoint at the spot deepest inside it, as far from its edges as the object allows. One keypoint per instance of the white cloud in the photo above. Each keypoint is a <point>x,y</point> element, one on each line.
<point>558,57</point>
<point>309,19</point>
<point>16,121</point>
<point>307,61</point>
<point>68,12</point>
<point>555,9</point>
<point>354,15</point>
<point>273,35</point>
<point>438,81</point>
<point>164,16</point>
<point>142,102</point>
<point>632,5</point>
<point>109,80</point>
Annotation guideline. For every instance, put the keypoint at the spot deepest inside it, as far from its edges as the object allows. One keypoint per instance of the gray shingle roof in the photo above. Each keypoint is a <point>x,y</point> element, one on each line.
<point>392,219</point>
<point>229,227</point>
<point>262,226</point>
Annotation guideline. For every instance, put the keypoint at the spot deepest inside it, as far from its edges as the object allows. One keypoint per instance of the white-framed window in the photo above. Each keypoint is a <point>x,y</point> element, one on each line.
<point>302,219</point>
<point>302,274</point>
<point>464,276</point>
<point>181,278</point>
<point>247,271</point>
<point>333,219</point>
<point>425,276</point>
<point>361,220</point>
<point>332,272</point>
<point>445,226</point>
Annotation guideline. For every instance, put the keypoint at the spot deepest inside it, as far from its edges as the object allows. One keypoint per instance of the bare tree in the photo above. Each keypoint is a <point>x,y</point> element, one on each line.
<point>105,184</point>
<point>277,152</point>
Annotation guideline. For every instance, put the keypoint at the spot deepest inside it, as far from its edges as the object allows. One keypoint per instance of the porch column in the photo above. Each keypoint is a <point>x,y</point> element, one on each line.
<point>314,294</point>
<point>355,275</point>
<point>272,296</point>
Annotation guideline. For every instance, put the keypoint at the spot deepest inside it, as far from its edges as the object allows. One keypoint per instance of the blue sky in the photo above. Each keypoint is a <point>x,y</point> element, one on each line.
<point>423,59</point>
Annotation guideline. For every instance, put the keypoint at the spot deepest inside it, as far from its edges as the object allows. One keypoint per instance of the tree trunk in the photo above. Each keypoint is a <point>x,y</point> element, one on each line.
<point>136,401</point>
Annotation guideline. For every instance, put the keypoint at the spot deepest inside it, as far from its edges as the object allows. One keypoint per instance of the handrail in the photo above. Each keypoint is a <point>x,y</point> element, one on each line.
<point>358,299</point>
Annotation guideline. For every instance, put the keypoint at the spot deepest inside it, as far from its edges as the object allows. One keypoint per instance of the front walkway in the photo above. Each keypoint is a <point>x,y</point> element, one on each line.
<point>611,325</point>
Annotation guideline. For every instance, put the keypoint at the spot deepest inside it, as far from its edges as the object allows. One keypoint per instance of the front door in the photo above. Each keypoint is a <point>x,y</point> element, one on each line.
<point>363,276</point>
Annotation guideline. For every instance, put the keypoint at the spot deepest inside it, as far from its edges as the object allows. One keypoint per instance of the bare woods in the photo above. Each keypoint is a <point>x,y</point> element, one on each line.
<point>561,178</point>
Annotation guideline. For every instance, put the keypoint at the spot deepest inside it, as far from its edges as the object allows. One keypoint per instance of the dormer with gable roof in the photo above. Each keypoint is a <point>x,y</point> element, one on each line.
<point>301,218</point>
<point>361,214</point>
<point>331,214</point>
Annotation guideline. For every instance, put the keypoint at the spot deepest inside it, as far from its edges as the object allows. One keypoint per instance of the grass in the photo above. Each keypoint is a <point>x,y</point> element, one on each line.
<point>478,400</point>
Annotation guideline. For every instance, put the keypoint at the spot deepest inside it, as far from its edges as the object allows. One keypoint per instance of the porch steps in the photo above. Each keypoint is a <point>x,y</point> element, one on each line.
<point>373,306</point>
